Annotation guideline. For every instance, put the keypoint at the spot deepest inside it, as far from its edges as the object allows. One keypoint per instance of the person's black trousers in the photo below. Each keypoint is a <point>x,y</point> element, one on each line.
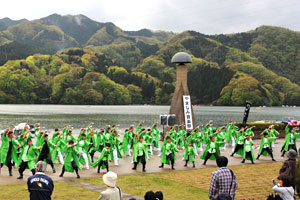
<point>74,167</point>
<point>48,159</point>
<point>141,159</point>
<point>268,150</point>
<point>105,162</point>
<point>8,162</point>
<point>238,147</point>
<point>208,155</point>
<point>22,168</point>
<point>171,157</point>
<point>248,155</point>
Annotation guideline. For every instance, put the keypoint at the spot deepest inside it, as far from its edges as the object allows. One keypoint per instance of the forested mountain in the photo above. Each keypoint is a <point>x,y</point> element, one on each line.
<point>75,60</point>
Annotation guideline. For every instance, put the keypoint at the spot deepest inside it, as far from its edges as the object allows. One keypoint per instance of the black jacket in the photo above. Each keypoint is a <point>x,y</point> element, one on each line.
<point>40,187</point>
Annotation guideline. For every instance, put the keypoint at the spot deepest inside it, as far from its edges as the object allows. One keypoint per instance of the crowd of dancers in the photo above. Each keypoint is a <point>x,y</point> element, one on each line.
<point>137,142</point>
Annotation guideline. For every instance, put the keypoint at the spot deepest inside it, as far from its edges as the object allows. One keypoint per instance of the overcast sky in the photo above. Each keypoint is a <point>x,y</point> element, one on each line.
<point>205,16</point>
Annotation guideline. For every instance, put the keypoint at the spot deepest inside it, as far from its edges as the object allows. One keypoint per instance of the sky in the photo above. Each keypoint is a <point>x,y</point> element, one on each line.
<point>205,16</point>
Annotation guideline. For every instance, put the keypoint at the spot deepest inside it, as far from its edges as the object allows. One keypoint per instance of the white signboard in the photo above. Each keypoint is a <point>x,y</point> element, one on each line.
<point>188,112</point>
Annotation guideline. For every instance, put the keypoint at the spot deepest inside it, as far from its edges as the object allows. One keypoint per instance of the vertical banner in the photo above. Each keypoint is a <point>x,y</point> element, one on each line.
<point>246,113</point>
<point>188,112</point>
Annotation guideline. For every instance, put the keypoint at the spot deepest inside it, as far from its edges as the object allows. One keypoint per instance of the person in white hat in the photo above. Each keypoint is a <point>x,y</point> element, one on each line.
<point>112,192</point>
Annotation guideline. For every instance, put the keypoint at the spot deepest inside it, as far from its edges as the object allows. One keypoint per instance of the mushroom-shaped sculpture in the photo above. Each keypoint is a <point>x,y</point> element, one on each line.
<point>181,58</point>
<point>181,88</point>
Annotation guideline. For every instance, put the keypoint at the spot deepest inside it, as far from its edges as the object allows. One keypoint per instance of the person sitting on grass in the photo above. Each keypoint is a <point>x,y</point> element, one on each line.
<point>284,188</point>
<point>112,192</point>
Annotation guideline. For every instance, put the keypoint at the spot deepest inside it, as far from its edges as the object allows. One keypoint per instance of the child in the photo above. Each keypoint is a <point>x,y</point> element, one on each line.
<point>189,154</point>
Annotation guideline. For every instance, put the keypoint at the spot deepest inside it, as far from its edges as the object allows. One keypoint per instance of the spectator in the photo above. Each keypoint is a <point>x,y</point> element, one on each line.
<point>159,195</point>
<point>223,181</point>
<point>150,195</point>
<point>112,192</point>
<point>290,163</point>
<point>40,186</point>
<point>284,187</point>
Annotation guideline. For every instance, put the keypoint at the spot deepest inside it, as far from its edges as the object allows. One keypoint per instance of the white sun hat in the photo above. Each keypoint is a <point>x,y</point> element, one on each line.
<point>110,179</point>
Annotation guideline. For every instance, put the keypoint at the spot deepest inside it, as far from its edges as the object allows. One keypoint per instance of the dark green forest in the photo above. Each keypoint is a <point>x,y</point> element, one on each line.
<point>75,60</point>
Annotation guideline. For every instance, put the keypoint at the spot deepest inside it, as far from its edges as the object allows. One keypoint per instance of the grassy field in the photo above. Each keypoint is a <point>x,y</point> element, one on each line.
<point>61,191</point>
<point>254,182</point>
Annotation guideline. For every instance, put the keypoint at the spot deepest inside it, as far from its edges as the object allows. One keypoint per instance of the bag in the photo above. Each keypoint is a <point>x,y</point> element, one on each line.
<point>226,196</point>
<point>120,193</point>
<point>272,197</point>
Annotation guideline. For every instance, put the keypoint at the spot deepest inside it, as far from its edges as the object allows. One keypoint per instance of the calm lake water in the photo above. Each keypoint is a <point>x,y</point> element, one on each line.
<point>53,116</point>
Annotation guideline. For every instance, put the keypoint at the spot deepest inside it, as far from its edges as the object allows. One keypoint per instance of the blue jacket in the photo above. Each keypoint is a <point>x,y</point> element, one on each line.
<point>40,187</point>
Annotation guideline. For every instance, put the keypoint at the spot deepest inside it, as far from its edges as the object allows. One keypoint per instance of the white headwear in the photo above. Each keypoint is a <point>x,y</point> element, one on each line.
<point>110,179</point>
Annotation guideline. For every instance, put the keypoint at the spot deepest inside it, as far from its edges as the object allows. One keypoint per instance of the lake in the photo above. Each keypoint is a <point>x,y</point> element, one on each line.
<point>57,116</point>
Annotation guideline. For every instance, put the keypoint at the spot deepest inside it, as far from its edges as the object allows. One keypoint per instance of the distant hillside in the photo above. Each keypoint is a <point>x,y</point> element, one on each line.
<point>75,60</point>
<point>56,32</point>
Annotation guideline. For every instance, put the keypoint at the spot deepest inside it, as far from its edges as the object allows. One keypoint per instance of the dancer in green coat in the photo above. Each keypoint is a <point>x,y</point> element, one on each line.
<point>83,147</point>
<point>26,159</point>
<point>169,151</point>
<point>57,139</point>
<point>46,152</point>
<point>140,149</point>
<point>239,144</point>
<point>71,162</point>
<point>103,159</point>
<point>126,142</point>
<point>189,153</point>
<point>92,144</point>
<point>266,145</point>
<point>290,141</point>
<point>8,151</point>
<point>248,150</point>
<point>211,151</point>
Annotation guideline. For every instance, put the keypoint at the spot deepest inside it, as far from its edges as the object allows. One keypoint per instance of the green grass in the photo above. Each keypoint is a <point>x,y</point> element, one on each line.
<point>139,184</point>
<point>61,191</point>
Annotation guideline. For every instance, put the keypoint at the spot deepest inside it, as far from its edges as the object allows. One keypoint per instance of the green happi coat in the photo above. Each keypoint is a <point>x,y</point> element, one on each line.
<point>71,155</point>
<point>50,145</point>
<point>83,147</point>
<point>126,141</point>
<point>135,149</point>
<point>211,146</point>
<point>220,139</point>
<point>248,144</point>
<point>168,148</point>
<point>240,139</point>
<point>189,153</point>
<point>100,141</point>
<point>91,140</point>
<point>156,132</point>
<point>4,149</point>
<point>265,142</point>
<point>289,139</point>
<point>70,137</point>
<point>105,155</point>
<point>115,145</point>
<point>57,140</point>
<point>28,154</point>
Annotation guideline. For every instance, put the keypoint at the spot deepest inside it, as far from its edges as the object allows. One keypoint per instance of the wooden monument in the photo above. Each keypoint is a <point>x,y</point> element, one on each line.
<point>184,112</point>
